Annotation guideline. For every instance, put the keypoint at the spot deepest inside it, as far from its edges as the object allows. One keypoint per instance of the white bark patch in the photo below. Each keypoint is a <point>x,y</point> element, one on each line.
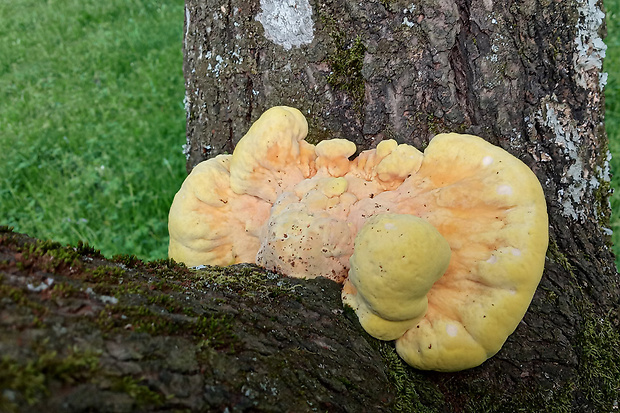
<point>41,287</point>
<point>187,20</point>
<point>287,23</point>
<point>579,185</point>
<point>567,137</point>
<point>187,147</point>
<point>409,12</point>
<point>589,45</point>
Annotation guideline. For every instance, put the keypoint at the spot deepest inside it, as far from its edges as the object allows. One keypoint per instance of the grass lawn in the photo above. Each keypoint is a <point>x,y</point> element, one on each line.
<point>92,120</point>
<point>612,112</point>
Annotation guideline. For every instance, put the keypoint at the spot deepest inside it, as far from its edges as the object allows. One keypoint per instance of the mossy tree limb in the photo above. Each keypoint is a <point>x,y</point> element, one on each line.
<point>81,333</point>
<point>123,335</point>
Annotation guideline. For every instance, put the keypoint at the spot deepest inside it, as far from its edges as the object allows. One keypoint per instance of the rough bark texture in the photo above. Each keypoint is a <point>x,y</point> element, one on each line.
<point>80,333</point>
<point>524,75</point>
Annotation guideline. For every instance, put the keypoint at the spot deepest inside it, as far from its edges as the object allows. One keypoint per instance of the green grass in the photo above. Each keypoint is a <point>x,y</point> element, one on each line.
<point>612,113</point>
<point>92,120</point>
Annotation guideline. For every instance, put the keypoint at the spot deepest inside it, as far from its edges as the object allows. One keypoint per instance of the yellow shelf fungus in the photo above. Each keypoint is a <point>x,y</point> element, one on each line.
<point>441,251</point>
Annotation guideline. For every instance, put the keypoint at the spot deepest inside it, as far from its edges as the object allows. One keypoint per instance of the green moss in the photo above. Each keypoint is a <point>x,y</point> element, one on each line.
<point>214,332</point>
<point>316,131</point>
<point>208,330</point>
<point>349,312</point>
<point>161,300</point>
<point>170,304</point>
<point>116,318</point>
<point>168,268</point>
<point>601,201</point>
<point>346,64</point>
<point>109,275</point>
<point>413,392</point>
<point>598,380</point>
<point>165,286</point>
<point>20,298</point>
<point>437,125</point>
<point>147,289</point>
<point>142,395</point>
<point>481,400</point>
<point>130,287</point>
<point>347,383</point>
<point>83,248</point>
<point>30,381</point>
<point>346,60</point>
<point>246,280</point>
<point>64,289</point>
<point>386,4</point>
<point>599,361</point>
<point>550,296</point>
<point>128,260</point>
<point>554,253</point>
<point>433,124</point>
<point>49,256</point>
<point>165,264</point>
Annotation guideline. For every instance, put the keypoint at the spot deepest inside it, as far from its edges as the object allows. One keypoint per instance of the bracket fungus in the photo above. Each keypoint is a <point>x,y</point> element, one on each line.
<point>441,251</point>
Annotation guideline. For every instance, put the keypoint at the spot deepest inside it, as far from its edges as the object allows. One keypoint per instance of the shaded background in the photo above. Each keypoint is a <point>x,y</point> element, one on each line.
<point>92,120</point>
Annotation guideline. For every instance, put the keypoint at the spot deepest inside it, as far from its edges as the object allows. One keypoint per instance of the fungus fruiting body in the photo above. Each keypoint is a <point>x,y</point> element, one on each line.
<point>441,251</point>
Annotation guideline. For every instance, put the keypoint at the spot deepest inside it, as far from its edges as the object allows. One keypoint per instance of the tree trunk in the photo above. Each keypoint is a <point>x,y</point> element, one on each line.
<point>524,75</point>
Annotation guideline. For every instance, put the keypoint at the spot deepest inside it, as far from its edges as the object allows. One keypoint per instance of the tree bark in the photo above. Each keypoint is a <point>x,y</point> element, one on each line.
<point>81,333</point>
<point>524,75</point>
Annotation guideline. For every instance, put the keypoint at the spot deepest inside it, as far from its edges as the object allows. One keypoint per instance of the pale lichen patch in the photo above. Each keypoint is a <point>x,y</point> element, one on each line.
<point>187,22</point>
<point>287,23</point>
<point>590,48</point>
<point>409,13</point>
<point>576,184</point>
